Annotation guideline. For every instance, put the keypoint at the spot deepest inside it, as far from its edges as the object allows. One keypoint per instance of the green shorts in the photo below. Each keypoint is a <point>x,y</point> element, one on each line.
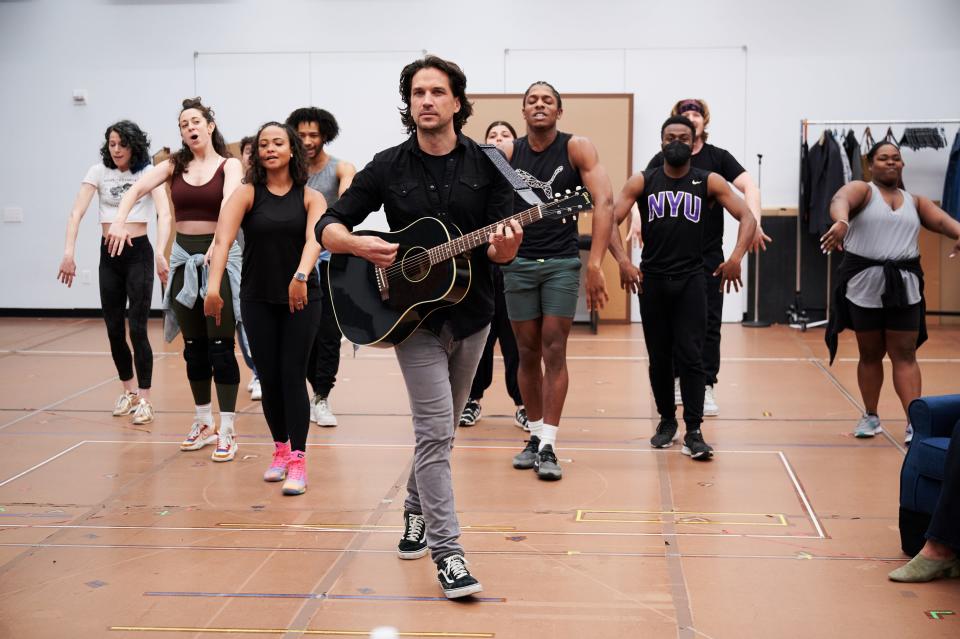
<point>534,288</point>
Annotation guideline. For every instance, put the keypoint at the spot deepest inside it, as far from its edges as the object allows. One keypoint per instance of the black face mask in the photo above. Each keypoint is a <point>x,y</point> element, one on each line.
<point>677,153</point>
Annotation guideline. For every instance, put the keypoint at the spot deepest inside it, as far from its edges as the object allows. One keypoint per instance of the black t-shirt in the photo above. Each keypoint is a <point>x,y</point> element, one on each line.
<point>274,234</point>
<point>440,169</point>
<point>548,173</point>
<point>674,216</point>
<point>715,160</point>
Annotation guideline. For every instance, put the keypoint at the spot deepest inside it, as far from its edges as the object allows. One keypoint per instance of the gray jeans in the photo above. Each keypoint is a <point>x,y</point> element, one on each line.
<point>438,371</point>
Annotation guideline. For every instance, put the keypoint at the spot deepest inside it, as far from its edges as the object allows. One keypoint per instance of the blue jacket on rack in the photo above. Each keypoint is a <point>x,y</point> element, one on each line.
<point>951,185</point>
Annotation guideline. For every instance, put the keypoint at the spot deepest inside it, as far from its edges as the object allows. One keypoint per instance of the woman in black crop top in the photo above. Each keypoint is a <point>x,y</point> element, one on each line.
<point>279,290</point>
<point>201,175</point>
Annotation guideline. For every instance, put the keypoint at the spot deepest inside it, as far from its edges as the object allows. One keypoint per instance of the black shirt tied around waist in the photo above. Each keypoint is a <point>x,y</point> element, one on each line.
<point>894,294</point>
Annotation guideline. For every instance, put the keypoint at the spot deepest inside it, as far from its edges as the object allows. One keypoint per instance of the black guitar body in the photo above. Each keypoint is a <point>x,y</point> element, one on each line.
<point>370,316</point>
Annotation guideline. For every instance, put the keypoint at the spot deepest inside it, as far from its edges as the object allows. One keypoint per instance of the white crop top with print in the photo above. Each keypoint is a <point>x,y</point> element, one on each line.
<point>111,184</point>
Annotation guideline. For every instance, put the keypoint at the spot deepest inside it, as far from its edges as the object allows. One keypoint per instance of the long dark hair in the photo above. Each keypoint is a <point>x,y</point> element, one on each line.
<point>132,137</point>
<point>184,155</point>
<point>458,85</point>
<point>298,158</point>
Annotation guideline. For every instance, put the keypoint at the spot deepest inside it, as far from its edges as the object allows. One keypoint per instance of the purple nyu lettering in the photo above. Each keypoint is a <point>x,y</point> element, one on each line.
<point>693,216</point>
<point>655,205</point>
<point>673,199</point>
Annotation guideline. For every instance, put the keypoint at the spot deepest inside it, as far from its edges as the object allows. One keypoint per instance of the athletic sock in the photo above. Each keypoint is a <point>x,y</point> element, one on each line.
<point>204,414</point>
<point>536,427</point>
<point>226,421</point>
<point>548,435</point>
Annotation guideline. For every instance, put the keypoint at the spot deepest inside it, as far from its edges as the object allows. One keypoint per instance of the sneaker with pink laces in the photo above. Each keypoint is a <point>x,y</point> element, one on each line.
<point>278,467</point>
<point>296,483</point>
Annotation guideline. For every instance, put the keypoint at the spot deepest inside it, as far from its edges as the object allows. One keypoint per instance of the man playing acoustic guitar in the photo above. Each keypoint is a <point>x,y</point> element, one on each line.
<point>437,172</point>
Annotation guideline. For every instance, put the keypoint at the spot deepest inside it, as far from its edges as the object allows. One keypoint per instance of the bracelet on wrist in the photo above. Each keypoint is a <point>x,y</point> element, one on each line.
<point>846,222</point>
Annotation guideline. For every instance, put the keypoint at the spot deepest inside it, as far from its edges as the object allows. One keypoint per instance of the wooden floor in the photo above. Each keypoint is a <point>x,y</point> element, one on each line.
<point>108,530</point>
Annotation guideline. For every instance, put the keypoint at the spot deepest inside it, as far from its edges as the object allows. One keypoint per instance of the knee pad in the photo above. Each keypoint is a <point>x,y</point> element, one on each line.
<point>223,360</point>
<point>197,359</point>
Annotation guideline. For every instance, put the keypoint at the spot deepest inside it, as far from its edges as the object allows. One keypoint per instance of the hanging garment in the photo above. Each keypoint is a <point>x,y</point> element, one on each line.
<point>951,185</point>
<point>852,149</point>
<point>866,144</point>
<point>825,176</point>
<point>917,138</point>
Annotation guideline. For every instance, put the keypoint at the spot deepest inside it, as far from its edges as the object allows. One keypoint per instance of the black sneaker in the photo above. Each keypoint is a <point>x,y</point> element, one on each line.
<point>471,413</point>
<point>546,465</point>
<point>455,579</point>
<point>666,434</point>
<point>413,544</point>
<point>527,457</point>
<point>520,419</point>
<point>694,446</point>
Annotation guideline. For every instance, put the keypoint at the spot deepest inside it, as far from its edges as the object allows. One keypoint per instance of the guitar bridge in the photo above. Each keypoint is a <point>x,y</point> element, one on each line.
<point>383,284</point>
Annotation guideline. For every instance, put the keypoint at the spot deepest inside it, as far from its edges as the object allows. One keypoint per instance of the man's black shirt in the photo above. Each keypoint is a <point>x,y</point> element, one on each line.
<point>398,179</point>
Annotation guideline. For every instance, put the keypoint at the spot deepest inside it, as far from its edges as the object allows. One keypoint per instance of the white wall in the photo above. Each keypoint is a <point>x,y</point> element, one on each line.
<point>814,59</point>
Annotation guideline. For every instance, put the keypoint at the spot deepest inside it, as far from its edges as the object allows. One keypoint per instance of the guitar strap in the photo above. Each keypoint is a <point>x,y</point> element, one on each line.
<point>521,187</point>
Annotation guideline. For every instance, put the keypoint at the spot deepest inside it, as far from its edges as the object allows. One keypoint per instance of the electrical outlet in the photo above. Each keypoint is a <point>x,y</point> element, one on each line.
<point>85,276</point>
<point>13,214</point>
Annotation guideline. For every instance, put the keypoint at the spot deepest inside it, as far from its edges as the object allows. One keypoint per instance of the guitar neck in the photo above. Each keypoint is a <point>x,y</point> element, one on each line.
<point>474,239</point>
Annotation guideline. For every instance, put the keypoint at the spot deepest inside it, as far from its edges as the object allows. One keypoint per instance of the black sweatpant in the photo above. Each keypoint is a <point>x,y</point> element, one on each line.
<point>674,316</point>
<point>128,276</point>
<point>945,525</point>
<point>324,359</point>
<point>500,328</point>
<point>279,341</point>
<point>711,344</point>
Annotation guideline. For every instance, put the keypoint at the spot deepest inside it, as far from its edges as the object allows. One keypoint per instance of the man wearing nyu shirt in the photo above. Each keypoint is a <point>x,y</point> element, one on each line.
<point>674,201</point>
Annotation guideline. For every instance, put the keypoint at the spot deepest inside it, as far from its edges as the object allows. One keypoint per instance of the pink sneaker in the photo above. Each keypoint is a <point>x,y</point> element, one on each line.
<point>296,483</point>
<point>278,467</point>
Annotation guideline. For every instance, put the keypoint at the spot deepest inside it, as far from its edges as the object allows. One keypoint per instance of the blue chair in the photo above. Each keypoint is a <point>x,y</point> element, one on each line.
<point>935,420</point>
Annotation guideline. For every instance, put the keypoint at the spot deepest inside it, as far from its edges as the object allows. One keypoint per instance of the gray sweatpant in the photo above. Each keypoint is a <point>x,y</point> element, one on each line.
<point>438,371</point>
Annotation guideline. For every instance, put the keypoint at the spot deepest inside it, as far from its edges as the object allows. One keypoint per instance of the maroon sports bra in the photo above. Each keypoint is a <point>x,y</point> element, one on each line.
<point>198,203</point>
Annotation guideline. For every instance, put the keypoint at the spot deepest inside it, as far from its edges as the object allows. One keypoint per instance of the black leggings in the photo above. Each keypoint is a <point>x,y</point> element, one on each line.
<point>279,340</point>
<point>128,276</point>
<point>324,359</point>
<point>500,328</point>
<point>674,314</point>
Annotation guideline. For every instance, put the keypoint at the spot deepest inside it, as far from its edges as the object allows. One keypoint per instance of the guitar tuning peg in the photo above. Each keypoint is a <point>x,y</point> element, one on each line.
<point>579,187</point>
<point>563,220</point>
<point>567,191</point>
<point>574,218</point>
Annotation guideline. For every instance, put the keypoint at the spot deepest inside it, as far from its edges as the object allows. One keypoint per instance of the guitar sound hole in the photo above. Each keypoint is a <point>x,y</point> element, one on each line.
<point>415,264</point>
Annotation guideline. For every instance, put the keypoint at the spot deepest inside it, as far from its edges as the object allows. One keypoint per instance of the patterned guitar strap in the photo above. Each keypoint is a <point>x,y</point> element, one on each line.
<point>522,188</point>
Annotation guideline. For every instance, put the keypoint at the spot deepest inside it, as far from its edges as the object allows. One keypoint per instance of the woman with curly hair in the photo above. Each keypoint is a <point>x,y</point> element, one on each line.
<point>279,289</point>
<point>125,156</point>
<point>202,175</point>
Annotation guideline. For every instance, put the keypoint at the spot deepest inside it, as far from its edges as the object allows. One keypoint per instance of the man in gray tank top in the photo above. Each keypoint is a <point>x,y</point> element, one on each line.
<point>330,176</point>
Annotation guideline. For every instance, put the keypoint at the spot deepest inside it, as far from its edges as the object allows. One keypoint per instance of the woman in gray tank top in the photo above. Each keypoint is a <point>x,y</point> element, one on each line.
<point>880,288</point>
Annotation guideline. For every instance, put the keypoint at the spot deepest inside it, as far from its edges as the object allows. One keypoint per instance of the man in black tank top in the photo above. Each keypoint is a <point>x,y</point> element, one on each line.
<point>716,160</point>
<point>675,203</point>
<point>542,284</point>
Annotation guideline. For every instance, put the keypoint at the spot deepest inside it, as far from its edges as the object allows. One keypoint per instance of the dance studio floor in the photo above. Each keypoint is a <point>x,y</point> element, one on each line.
<point>108,530</point>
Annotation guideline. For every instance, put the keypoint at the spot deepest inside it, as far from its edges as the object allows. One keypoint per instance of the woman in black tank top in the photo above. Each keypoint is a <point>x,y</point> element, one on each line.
<point>279,289</point>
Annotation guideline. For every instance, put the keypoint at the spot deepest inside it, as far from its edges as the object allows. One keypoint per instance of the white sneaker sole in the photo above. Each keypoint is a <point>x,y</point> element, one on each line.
<point>456,593</point>
<point>225,457</point>
<point>294,490</point>
<point>282,476</point>
<point>667,445</point>
<point>689,453</point>
<point>326,422</point>
<point>200,443</point>
<point>866,434</point>
<point>711,412</point>
<point>412,554</point>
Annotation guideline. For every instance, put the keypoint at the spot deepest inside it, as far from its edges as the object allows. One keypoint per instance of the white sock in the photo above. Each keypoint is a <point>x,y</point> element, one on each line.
<point>548,435</point>
<point>535,427</point>
<point>204,414</point>
<point>226,421</point>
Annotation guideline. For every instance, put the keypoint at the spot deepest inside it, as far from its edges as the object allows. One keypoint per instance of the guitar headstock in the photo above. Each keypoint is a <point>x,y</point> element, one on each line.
<point>568,204</point>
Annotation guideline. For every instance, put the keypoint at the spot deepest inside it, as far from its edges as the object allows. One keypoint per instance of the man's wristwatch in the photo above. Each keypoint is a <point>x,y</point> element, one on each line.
<point>300,277</point>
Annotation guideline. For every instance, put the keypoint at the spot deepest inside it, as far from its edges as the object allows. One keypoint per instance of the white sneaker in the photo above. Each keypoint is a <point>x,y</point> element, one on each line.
<point>908,437</point>
<point>226,448</point>
<point>256,394</point>
<point>200,435</point>
<point>126,404</point>
<point>320,412</point>
<point>144,413</point>
<point>710,408</point>
<point>250,385</point>
<point>677,398</point>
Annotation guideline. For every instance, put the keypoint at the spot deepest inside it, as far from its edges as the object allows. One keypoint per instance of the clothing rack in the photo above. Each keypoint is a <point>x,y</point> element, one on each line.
<point>796,313</point>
